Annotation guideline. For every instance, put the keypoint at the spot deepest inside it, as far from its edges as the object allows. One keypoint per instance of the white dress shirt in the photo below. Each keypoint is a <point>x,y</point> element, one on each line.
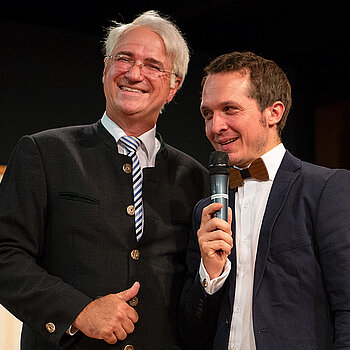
<point>150,145</point>
<point>250,204</point>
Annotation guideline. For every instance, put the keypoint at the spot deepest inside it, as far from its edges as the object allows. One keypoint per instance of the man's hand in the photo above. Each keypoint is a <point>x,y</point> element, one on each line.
<point>109,318</point>
<point>215,240</point>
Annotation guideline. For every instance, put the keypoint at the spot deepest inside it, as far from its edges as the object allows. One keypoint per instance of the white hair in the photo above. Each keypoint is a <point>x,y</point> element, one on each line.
<point>175,45</point>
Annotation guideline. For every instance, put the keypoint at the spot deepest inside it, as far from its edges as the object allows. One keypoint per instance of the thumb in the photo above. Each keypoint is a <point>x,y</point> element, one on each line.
<point>229,216</point>
<point>129,293</point>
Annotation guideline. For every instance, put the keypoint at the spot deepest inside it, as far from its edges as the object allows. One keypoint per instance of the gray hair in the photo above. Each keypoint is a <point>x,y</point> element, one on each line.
<point>175,45</point>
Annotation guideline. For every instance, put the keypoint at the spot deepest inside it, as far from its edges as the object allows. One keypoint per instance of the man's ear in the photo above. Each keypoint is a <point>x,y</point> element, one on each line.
<point>104,70</point>
<point>174,85</point>
<point>275,114</point>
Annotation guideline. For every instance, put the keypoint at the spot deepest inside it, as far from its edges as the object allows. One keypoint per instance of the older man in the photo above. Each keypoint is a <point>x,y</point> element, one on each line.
<point>88,211</point>
<point>277,274</point>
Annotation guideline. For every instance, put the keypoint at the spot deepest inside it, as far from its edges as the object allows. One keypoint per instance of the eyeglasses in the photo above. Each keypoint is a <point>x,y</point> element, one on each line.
<point>125,63</point>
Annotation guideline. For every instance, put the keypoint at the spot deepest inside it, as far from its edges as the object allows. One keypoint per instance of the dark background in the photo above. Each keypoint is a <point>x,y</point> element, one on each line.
<point>51,66</point>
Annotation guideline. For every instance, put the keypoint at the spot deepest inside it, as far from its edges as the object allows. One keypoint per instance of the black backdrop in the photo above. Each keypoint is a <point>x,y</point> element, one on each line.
<point>51,63</point>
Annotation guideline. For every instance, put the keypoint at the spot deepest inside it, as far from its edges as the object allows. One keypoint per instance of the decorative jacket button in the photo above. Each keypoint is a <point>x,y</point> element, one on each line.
<point>135,254</point>
<point>134,301</point>
<point>130,210</point>
<point>127,168</point>
<point>129,347</point>
<point>50,327</point>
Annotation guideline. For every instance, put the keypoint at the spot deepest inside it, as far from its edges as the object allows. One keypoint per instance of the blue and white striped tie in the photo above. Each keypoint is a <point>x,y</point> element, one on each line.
<point>132,144</point>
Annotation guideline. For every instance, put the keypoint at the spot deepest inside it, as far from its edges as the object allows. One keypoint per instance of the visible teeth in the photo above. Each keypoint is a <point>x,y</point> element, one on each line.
<point>129,89</point>
<point>225,143</point>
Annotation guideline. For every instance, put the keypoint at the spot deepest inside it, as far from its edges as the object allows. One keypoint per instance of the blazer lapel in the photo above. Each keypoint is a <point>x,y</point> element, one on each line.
<point>232,256</point>
<point>286,175</point>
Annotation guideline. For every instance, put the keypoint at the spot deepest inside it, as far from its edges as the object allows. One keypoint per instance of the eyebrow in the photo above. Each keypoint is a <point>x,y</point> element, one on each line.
<point>221,104</point>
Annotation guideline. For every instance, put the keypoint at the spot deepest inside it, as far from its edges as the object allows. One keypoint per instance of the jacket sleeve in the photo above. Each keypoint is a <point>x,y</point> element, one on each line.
<point>33,295</point>
<point>332,230</point>
<point>198,310</point>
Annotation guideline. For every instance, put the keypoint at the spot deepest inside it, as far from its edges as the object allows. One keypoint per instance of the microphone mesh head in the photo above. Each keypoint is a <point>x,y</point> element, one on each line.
<point>219,163</point>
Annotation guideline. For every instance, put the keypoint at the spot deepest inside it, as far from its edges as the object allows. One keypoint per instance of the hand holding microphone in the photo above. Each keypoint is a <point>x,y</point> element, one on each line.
<point>214,235</point>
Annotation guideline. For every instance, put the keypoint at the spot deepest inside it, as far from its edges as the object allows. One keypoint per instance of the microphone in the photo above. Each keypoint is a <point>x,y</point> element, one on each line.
<point>219,172</point>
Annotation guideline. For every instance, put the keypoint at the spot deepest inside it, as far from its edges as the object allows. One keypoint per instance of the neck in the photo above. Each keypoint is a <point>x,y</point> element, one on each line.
<point>132,125</point>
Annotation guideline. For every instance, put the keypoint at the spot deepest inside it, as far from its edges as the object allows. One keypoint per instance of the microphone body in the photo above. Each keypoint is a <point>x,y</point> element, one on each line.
<point>219,172</point>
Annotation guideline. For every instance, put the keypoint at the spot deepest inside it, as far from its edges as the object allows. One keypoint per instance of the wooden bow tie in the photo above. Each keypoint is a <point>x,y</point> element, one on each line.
<point>257,170</point>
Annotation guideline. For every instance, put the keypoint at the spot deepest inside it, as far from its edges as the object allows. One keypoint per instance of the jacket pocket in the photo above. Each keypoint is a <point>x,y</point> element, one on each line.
<point>72,196</point>
<point>292,244</point>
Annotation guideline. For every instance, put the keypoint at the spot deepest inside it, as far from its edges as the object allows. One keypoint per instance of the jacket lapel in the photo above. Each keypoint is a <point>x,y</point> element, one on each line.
<point>287,173</point>
<point>232,256</point>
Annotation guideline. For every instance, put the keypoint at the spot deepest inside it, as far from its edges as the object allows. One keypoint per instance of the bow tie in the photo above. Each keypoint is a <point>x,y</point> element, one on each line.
<point>257,170</point>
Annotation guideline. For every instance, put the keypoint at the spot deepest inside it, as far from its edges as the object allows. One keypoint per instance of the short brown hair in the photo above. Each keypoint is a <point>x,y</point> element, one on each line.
<point>268,83</point>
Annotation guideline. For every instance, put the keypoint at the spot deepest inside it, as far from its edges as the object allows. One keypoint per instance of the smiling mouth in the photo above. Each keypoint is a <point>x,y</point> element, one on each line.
<point>124,88</point>
<point>229,141</point>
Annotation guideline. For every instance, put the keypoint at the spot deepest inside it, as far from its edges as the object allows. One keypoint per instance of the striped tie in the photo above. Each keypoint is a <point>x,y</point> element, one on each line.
<point>132,144</point>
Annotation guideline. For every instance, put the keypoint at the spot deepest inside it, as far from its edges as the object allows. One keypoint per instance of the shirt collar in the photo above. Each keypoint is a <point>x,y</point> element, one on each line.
<point>273,159</point>
<point>148,138</point>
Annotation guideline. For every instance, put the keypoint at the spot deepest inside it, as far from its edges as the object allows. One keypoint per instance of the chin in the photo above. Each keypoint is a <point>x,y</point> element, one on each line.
<point>132,110</point>
<point>234,160</point>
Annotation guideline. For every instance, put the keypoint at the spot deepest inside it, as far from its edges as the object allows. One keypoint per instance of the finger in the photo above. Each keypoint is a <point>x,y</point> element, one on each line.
<point>111,339</point>
<point>212,248</point>
<point>216,224</point>
<point>216,234</point>
<point>212,242</point>
<point>209,210</point>
<point>120,333</point>
<point>128,294</point>
<point>128,326</point>
<point>133,316</point>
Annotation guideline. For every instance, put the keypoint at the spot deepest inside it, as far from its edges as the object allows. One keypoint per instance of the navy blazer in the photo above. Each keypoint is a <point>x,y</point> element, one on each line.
<point>301,293</point>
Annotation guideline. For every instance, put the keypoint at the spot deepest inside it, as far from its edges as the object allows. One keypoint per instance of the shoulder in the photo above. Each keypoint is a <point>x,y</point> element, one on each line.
<point>312,178</point>
<point>64,133</point>
<point>182,159</point>
<point>186,173</point>
<point>325,176</point>
<point>311,172</point>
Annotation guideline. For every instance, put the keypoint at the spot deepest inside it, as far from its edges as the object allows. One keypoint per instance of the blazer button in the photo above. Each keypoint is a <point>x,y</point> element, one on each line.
<point>127,168</point>
<point>135,254</point>
<point>130,210</point>
<point>134,301</point>
<point>129,347</point>
<point>50,327</point>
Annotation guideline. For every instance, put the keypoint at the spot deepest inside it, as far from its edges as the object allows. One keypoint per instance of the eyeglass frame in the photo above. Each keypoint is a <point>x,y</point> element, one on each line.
<point>132,61</point>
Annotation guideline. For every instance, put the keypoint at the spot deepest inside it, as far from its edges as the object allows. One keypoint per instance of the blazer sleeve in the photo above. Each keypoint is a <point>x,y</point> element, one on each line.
<point>332,230</point>
<point>28,290</point>
<point>199,311</point>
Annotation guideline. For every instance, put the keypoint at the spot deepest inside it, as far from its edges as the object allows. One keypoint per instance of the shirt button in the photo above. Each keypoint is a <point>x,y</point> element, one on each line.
<point>130,210</point>
<point>129,347</point>
<point>135,254</point>
<point>50,327</point>
<point>244,275</point>
<point>134,301</point>
<point>204,283</point>
<point>127,168</point>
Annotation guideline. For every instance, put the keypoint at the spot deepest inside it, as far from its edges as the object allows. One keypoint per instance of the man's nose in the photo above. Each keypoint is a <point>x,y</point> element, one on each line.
<point>218,123</point>
<point>135,72</point>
